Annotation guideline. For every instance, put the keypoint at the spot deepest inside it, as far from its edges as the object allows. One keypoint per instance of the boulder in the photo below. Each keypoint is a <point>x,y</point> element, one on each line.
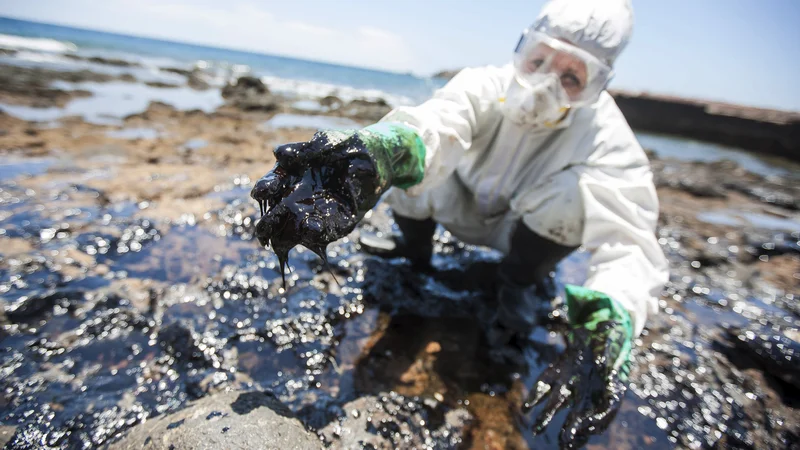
<point>244,86</point>
<point>223,421</point>
<point>195,78</point>
<point>249,94</point>
<point>160,84</point>
<point>331,102</point>
<point>104,61</point>
<point>372,110</point>
<point>446,74</point>
<point>392,421</point>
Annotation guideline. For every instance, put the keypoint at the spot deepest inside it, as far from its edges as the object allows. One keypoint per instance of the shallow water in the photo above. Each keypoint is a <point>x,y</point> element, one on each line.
<point>689,150</point>
<point>110,102</point>
<point>742,218</point>
<point>15,167</point>
<point>150,72</point>
<point>309,106</point>
<point>195,144</point>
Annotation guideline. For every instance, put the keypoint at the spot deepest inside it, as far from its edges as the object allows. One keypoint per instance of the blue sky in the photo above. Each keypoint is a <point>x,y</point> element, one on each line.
<point>740,51</point>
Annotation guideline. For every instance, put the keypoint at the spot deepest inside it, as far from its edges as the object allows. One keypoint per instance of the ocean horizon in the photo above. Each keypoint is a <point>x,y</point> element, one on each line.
<point>402,88</point>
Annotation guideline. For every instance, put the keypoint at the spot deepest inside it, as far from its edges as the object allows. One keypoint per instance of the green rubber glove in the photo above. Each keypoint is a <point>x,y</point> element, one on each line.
<point>398,153</point>
<point>320,189</point>
<point>591,375</point>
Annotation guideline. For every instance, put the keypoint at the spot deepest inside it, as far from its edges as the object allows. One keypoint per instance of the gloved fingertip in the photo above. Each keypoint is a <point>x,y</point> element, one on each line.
<point>603,416</point>
<point>556,402</point>
<point>538,394</point>
<point>571,428</point>
<point>542,422</point>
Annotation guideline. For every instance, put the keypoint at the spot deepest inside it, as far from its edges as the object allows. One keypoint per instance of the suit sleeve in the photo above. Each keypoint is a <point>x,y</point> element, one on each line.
<point>448,122</point>
<point>620,216</point>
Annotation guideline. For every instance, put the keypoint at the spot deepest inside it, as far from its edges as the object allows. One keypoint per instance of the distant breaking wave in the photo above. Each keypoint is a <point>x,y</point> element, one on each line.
<point>37,44</point>
<point>314,89</point>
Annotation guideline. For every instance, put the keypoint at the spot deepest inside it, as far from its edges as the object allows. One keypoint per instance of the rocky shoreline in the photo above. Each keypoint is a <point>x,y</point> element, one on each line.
<point>133,292</point>
<point>763,131</point>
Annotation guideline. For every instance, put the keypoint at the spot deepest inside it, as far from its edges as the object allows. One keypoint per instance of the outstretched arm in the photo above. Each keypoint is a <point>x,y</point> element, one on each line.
<point>627,273</point>
<point>319,190</point>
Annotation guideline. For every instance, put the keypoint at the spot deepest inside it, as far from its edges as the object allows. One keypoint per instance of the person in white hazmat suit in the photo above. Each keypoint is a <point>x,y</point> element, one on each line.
<point>533,159</point>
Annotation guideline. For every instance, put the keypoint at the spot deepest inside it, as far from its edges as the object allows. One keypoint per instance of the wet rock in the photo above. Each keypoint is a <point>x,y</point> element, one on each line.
<point>703,180</point>
<point>31,85</point>
<point>695,184</point>
<point>176,70</point>
<point>719,178</point>
<point>699,250</point>
<point>195,78</point>
<point>33,306</point>
<point>446,74</point>
<point>223,421</point>
<point>701,399</point>
<point>331,102</point>
<point>6,433</point>
<point>372,110</point>
<point>394,421</point>
<point>113,320</point>
<point>776,349</point>
<point>136,236</point>
<point>104,61</point>
<point>178,340</point>
<point>37,75</point>
<point>764,243</point>
<point>246,83</point>
<point>161,84</point>
<point>249,94</point>
<point>779,192</point>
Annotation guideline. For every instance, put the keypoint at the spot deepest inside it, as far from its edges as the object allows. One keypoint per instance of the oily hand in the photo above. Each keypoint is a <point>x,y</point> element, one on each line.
<point>319,190</point>
<point>590,377</point>
<point>316,193</point>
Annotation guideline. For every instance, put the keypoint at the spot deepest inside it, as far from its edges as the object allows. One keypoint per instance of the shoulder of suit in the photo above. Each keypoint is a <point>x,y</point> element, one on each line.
<point>615,143</point>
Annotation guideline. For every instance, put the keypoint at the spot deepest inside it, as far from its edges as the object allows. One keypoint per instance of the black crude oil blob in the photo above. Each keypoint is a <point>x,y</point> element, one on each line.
<point>315,194</point>
<point>583,379</point>
<point>777,352</point>
<point>176,424</point>
<point>246,402</point>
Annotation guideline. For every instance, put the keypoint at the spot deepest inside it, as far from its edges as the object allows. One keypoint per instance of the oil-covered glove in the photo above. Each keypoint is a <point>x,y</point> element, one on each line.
<point>319,190</point>
<point>591,375</point>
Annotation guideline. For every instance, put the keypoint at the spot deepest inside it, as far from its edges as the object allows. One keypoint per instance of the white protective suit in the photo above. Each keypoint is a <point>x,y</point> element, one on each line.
<point>586,183</point>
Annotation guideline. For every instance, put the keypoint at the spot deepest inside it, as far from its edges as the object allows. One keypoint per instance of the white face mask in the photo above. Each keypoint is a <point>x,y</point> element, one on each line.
<point>543,105</point>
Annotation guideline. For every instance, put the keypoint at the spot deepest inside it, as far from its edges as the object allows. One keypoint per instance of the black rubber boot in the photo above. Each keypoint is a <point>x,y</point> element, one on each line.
<point>524,285</point>
<point>415,242</point>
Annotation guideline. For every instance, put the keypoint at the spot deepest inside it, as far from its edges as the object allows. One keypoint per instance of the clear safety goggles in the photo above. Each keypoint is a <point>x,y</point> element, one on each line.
<point>583,76</point>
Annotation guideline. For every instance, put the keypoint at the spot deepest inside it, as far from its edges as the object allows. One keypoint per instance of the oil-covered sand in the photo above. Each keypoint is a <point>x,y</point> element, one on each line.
<point>131,283</point>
